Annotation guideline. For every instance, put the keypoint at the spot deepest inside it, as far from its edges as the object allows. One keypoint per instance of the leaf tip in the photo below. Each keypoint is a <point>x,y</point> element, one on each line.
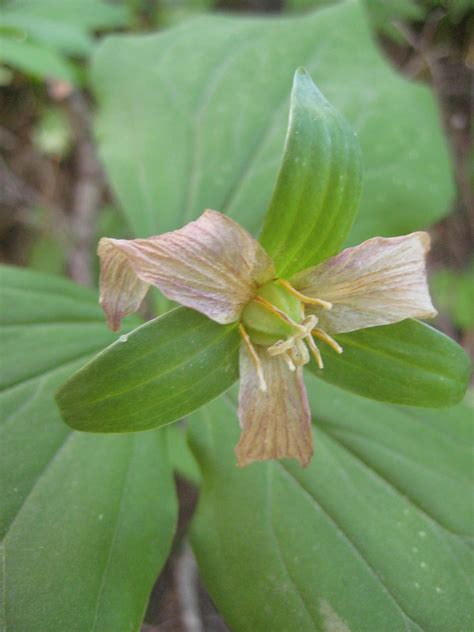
<point>304,86</point>
<point>301,71</point>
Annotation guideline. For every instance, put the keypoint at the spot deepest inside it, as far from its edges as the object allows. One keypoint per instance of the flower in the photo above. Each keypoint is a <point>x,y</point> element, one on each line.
<point>216,267</point>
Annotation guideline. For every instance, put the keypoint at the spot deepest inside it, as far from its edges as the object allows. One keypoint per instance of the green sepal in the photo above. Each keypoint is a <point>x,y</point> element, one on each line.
<point>157,374</point>
<point>319,184</point>
<point>406,363</point>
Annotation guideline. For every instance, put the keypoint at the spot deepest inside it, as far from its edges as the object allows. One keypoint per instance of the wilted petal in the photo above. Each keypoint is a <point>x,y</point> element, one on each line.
<point>379,282</point>
<point>276,423</point>
<point>121,291</point>
<point>212,265</point>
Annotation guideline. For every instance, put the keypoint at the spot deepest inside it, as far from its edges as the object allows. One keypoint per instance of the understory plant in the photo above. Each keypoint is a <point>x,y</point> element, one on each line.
<point>260,309</point>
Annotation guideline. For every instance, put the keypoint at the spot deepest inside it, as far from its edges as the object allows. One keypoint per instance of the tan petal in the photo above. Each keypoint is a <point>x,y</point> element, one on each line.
<point>379,282</point>
<point>276,423</point>
<point>121,291</point>
<point>212,265</point>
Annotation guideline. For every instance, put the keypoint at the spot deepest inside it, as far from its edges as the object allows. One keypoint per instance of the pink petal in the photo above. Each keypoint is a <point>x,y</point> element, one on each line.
<point>121,291</point>
<point>379,282</point>
<point>276,423</point>
<point>211,265</point>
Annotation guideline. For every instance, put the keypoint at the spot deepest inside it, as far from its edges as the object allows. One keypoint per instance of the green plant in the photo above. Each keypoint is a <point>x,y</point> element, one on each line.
<point>455,295</point>
<point>41,38</point>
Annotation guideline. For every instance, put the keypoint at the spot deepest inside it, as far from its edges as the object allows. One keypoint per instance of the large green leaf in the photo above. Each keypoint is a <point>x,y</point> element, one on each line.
<point>373,535</point>
<point>195,117</point>
<point>318,186</point>
<point>406,363</point>
<point>160,372</point>
<point>86,521</point>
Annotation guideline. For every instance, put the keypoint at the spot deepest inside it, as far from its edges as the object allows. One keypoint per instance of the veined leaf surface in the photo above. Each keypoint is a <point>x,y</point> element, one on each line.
<point>86,521</point>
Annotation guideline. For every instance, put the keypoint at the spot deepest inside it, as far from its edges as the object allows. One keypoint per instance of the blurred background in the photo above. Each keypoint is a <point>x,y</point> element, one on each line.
<point>55,201</point>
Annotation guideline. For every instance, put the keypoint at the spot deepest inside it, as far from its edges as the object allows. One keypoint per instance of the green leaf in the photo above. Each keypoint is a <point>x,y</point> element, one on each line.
<point>373,535</point>
<point>86,521</point>
<point>88,14</point>
<point>171,12</point>
<point>157,374</point>
<point>382,15</point>
<point>454,294</point>
<point>310,216</point>
<point>406,363</point>
<point>36,60</point>
<point>181,457</point>
<point>195,117</point>
<point>64,38</point>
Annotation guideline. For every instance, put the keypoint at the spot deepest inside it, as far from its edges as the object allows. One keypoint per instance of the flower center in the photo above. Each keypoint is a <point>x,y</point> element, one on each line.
<point>274,314</point>
<point>276,319</point>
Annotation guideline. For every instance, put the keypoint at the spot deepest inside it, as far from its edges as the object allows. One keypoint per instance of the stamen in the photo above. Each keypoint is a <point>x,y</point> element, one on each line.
<point>302,297</point>
<point>322,335</point>
<point>256,360</point>
<point>315,351</point>
<point>309,323</point>
<point>286,357</point>
<point>281,315</point>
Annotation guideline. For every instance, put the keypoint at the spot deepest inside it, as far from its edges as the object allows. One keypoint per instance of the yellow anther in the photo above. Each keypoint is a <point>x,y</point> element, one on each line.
<point>322,335</point>
<point>315,352</point>
<point>302,297</point>
<point>286,357</point>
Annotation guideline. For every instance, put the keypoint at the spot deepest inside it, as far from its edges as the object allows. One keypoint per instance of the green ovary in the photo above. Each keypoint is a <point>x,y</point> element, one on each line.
<point>263,326</point>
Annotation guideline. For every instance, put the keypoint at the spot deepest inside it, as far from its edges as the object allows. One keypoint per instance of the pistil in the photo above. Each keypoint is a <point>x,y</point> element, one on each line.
<point>275,320</point>
<point>294,346</point>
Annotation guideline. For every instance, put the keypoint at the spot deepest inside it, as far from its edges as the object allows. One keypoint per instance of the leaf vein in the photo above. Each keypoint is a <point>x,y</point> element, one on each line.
<point>359,554</point>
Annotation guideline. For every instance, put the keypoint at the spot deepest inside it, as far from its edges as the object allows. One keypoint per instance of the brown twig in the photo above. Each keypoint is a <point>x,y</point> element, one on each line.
<point>186,579</point>
<point>87,193</point>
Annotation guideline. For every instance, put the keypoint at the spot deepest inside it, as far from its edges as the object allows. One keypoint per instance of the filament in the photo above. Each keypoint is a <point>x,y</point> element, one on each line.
<point>302,297</point>
<point>322,335</point>
<point>289,362</point>
<point>315,352</point>
<point>255,359</point>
